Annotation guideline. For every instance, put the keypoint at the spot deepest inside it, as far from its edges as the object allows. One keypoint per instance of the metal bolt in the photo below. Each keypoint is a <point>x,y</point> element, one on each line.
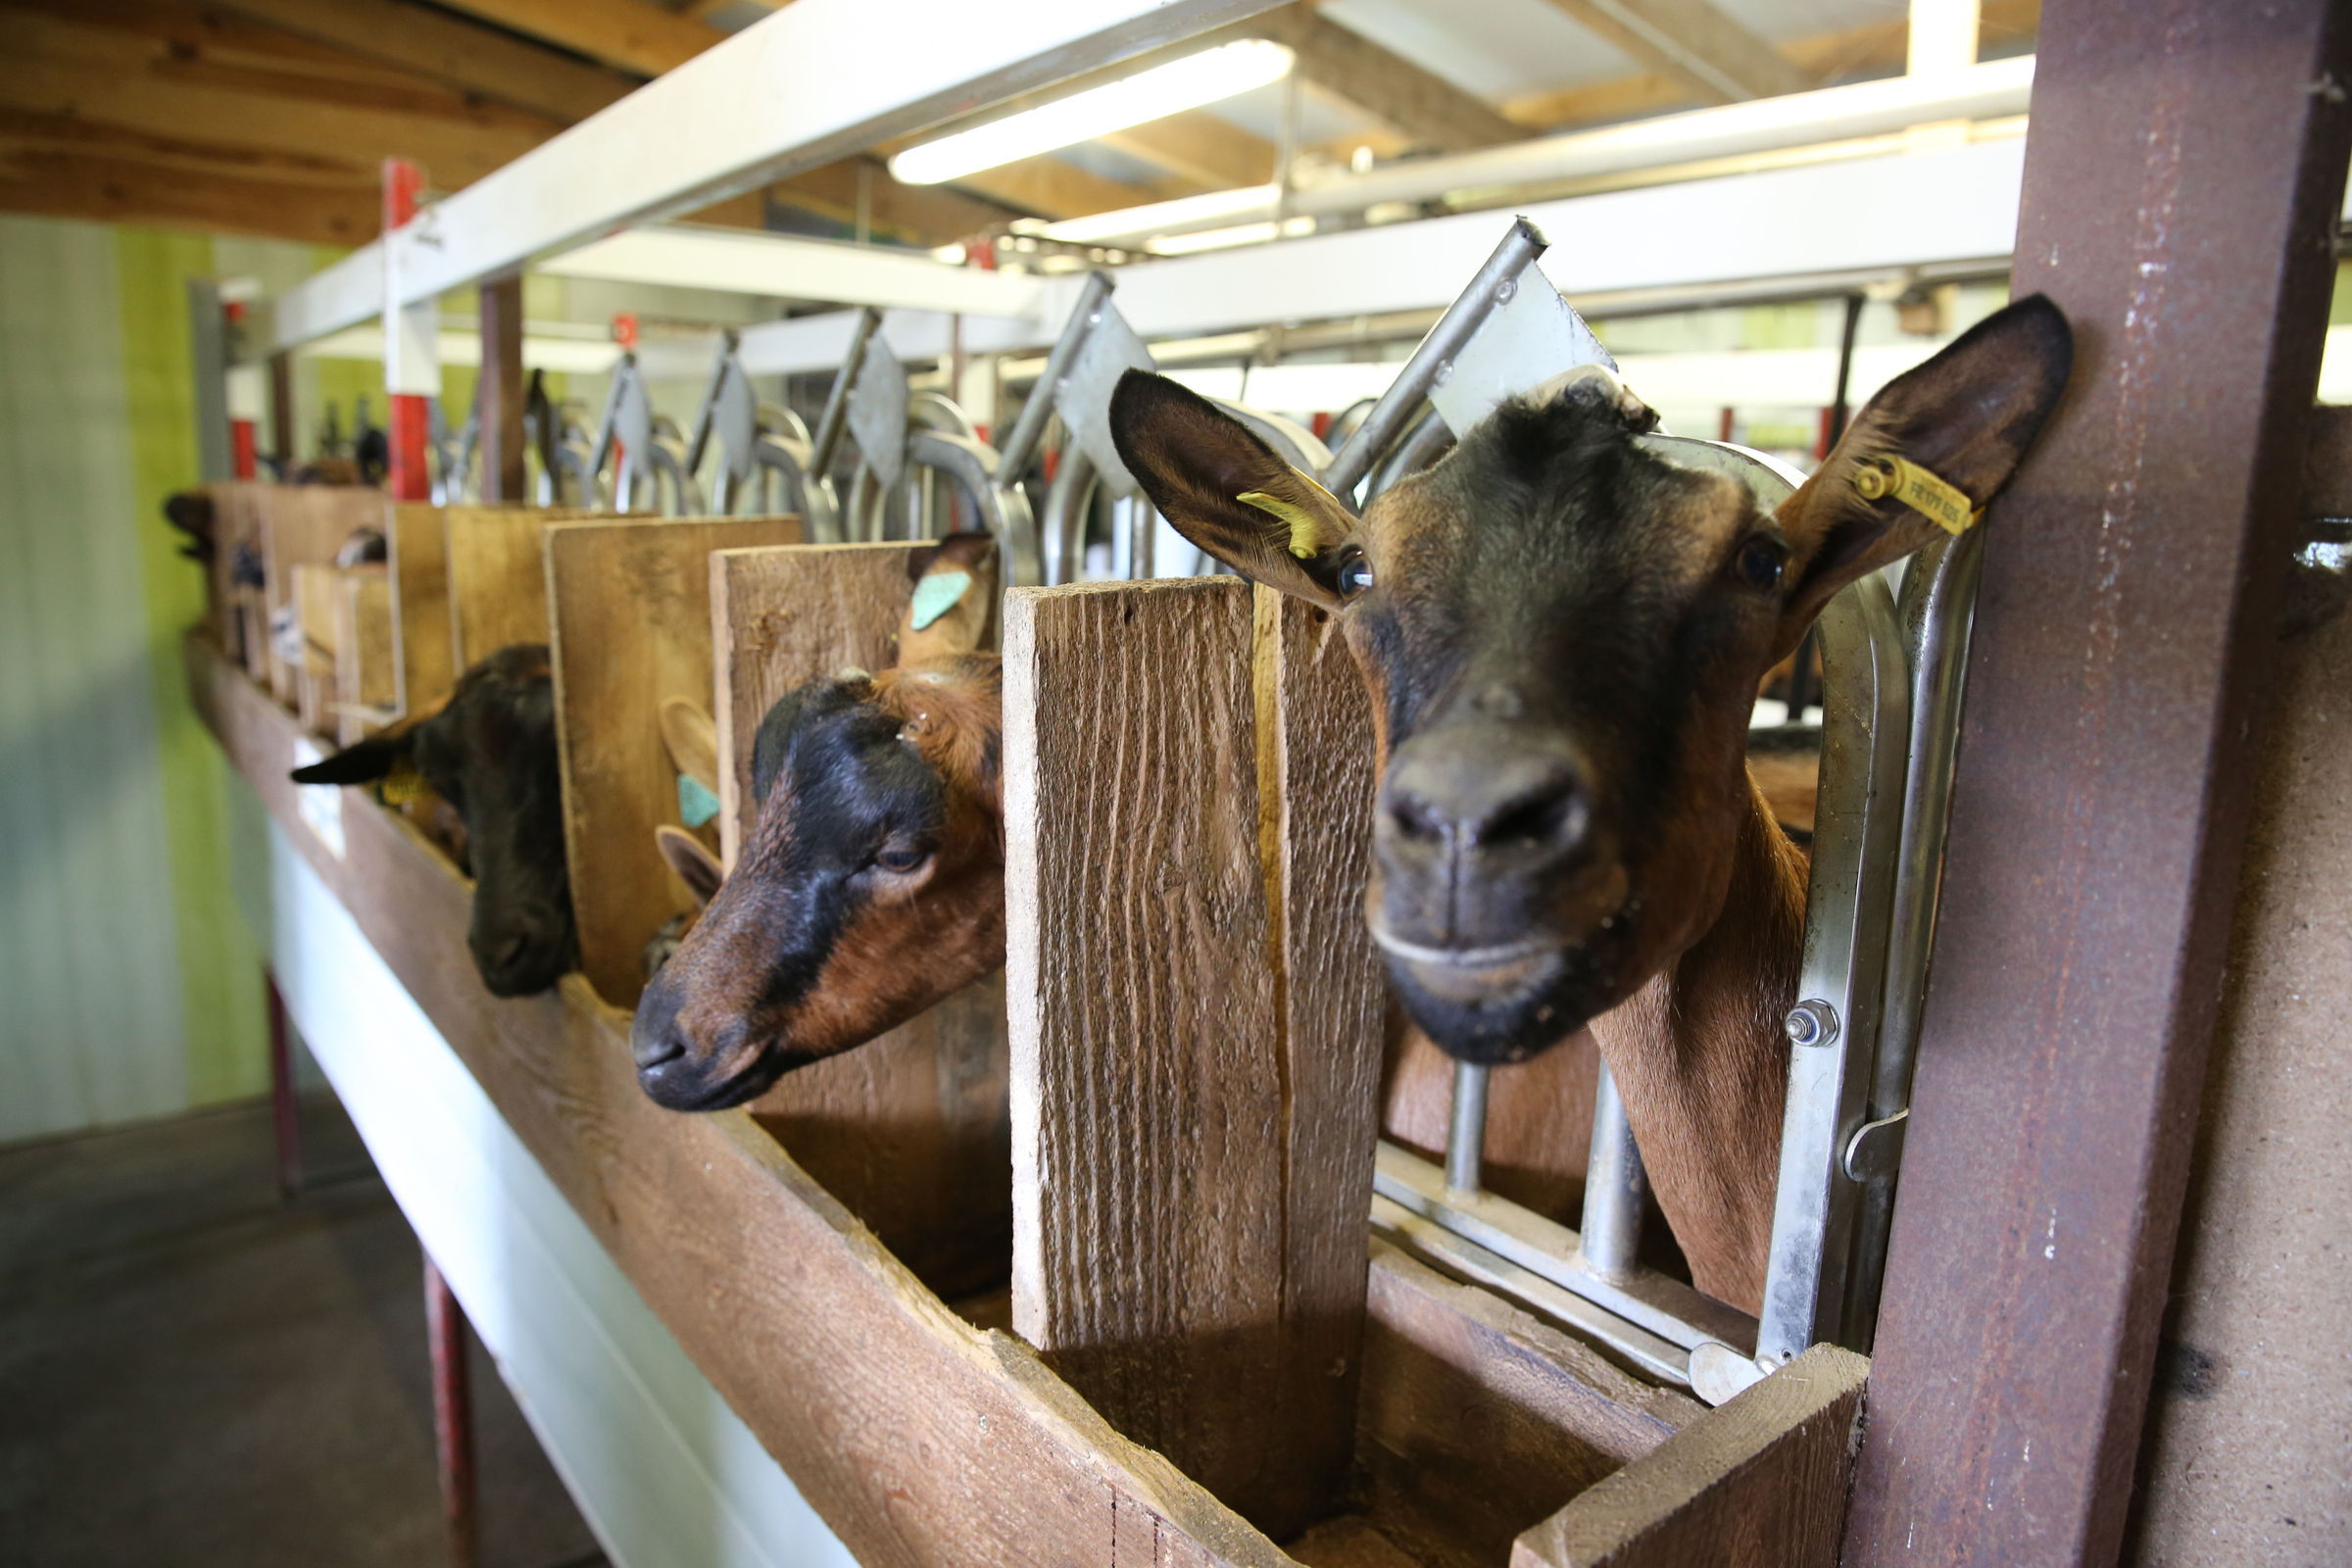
<point>1506,289</point>
<point>1811,1023</point>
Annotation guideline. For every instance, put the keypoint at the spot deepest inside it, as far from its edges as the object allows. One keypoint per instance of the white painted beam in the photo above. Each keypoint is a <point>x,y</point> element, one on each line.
<point>742,262</point>
<point>1799,222</point>
<point>815,81</point>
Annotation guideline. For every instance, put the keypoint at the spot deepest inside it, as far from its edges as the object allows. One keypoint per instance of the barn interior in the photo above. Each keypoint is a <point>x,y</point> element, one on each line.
<point>321,1249</point>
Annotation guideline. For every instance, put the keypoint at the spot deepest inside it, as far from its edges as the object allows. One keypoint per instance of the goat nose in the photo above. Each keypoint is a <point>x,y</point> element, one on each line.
<point>1489,800</point>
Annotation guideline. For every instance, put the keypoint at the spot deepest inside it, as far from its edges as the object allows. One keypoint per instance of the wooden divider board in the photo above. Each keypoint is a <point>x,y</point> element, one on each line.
<point>313,601</point>
<point>629,620</point>
<point>367,652</point>
<point>780,618</point>
<point>1187,1248</point>
<point>910,1129</point>
<point>496,578</point>
<point>305,524</point>
<point>417,550</point>
<point>236,520</point>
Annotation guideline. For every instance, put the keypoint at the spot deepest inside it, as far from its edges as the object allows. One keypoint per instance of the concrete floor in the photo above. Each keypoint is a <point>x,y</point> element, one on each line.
<point>191,1374</point>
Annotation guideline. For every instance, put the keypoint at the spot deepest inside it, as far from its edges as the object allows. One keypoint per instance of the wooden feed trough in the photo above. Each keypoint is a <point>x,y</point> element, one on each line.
<point>1213,1355</point>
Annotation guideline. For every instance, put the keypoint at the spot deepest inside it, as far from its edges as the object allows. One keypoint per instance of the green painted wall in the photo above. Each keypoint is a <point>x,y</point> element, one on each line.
<point>133,985</point>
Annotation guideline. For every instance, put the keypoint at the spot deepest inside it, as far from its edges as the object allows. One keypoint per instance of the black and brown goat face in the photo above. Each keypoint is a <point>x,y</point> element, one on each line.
<point>871,886</point>
<point>490,752</point>
<point>1562,628</point>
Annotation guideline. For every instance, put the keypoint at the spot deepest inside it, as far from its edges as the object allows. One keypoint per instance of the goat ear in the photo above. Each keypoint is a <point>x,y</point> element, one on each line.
<point>1226,491</point>
<point>692,741</point>
<point>1968,416</point>
<point>691,861</point>
<point>954,599</point>
<point>377,756</point>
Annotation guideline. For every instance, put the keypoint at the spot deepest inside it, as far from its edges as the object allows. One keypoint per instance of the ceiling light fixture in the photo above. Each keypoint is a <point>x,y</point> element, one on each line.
<point>1147,95</point>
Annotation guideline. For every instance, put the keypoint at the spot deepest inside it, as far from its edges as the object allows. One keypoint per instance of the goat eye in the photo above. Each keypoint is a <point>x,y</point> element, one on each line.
<point>900,858</point>
<point>1761,563</point>
<point>1354,577</point>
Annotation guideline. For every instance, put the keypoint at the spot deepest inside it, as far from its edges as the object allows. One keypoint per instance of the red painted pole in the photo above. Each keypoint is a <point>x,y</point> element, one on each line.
<point>452,1414</point>
<point>285,1111</point>
<point>410,478</point>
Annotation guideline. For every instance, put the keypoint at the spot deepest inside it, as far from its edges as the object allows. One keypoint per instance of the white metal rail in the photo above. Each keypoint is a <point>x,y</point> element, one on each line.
<point>783,95</point>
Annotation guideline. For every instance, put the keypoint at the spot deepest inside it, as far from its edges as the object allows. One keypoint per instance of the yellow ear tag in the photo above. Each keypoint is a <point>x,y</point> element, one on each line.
<point>399,789</point>
<point>1307,530</point>
<point>1933,498</point>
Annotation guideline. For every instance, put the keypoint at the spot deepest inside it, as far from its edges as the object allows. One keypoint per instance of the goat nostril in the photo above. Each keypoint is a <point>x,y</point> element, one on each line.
<point>508,952</point>
<point>652,1053</point>
<point>1415,821</point>
<point>1558,817</point>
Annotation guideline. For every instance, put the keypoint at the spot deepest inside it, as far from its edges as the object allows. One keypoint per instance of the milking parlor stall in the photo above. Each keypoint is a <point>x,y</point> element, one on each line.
<point>1554,782</point>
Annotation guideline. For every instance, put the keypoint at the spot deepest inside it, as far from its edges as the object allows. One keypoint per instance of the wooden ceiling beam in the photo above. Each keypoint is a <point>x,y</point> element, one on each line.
<point>920,215</point>
<point>1198,146</point>
<point>112,190</point>
<point>123,144</point>
<point>1418,101</point>
<point>630,35</point>
<point>1716,57</point>
<point>455,152</point>
<point>443,48</point>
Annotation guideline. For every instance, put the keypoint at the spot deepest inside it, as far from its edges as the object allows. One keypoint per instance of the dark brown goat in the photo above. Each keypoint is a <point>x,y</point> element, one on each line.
<point>490,752</point>
<point>1562,630</point>
<point>873,884</point>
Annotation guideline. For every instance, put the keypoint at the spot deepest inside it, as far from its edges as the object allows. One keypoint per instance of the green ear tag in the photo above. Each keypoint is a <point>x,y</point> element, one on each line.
<point>696,805</point>
<point>935,596</point>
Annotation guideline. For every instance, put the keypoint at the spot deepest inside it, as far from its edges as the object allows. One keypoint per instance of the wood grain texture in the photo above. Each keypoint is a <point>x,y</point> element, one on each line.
<point>920,1439</point>
<point>911,1129</point>
<point>1759,1483</point>
<point>367,652</point>
<point>497,578</point>
<point>1479,1421</point>
<point>236,520</point>
<point>629,620</point>
<point>418,550</point>
<point>780,618</point>
<point>313,602</point>
<point>1315,767</point>
<point>2182,188</point>
<point>2251,1380</point>
<point>1150,1112</point>
<point>305,524</point>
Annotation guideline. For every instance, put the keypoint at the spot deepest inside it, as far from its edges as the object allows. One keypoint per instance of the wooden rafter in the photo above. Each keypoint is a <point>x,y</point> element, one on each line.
<point>631,34</point>
<point>59,183</point>
<point>443,48</point>
<point>1199,146</point>
<point>1418,101</point>
<point>1691,40</point>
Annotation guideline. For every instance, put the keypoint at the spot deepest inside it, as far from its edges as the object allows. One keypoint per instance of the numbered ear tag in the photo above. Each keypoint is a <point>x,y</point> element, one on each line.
<point>696,805</point>
<point>1928,494</point>
<point>936,595</point>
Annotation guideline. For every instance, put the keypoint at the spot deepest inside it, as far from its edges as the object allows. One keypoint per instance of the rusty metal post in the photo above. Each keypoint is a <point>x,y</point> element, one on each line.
<point>2183,180</point>
<point>501,392</point>
<point>452,1414</point>
<point>281,413</point>
<point>285,1109</point>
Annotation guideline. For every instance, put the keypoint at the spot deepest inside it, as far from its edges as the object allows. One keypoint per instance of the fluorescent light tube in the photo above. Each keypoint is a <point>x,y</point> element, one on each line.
<point>1147,95</point>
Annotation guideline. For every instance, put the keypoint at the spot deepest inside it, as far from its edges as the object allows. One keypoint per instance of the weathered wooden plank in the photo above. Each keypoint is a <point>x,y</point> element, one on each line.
<point>313,602</point>
<point>1759,1483</point>
<point>1315,783</point>
<point>1150,1112</point>
<point>1479,1422</point>
<point>629,624</point>
<point>367,652</point>
<point>417,550</point>
<point>920,1439</point>
<point>237,522</point>
<point>780,618</point>
<point>2253,1382</point>
<point>2182,188</point>
<point>497,578</point>
<point>910,1129</point>
<point>305,524</point>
